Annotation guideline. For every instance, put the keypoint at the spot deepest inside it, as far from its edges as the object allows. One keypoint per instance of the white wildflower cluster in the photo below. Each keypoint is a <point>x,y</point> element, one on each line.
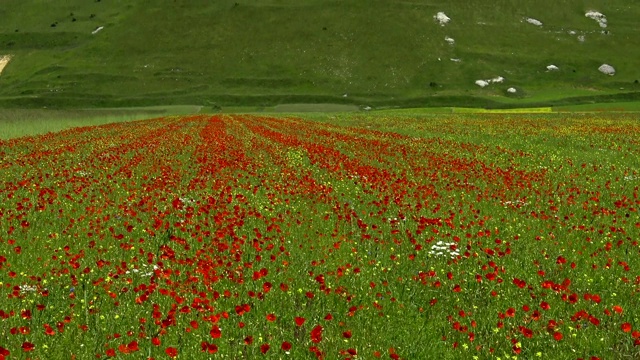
<point>630,178</point>
<point>145,272</point>
<point>28,288</point>
<point>597,16</point>
<point>443,249</point>
<point>515,203</point>
<point>187,201</point>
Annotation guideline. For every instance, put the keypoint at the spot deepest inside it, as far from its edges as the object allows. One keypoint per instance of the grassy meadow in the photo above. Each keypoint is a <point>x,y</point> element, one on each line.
<point>336,236</point>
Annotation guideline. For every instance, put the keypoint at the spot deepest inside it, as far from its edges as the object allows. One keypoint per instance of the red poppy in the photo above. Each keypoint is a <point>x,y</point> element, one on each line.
<point>264,348</point>
<point>286,346</point>
<point>171,351</point>
<point>316,334</point>
<point>133,346</point>
<point>215,332</point>
<point>300,320</point>
<point>49,330</point>
<point>626,327</point>
<point>27,346</point>
<point>271,317</point>
<point>210,348</point>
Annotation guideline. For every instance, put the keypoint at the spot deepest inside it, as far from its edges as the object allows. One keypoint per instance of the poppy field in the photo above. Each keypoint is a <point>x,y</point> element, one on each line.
<point>470,236</point>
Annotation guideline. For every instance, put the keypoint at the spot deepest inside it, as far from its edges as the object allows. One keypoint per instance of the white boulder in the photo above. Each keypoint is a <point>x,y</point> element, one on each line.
<point>597,16</point>
<point>442,18</point>
<point>552,68</point>
<point>512,90</point>
<point>607,69</point>
<point>451,41</point>
<point>482,83</point>
<point>533,21</point>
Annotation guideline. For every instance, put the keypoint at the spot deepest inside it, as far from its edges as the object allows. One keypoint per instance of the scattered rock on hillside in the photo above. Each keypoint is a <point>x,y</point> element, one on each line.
<point>607,69</point>
<point>534,21</point>
<point>442,18</point>
<point>455,59</point>
<point>597,16</point>
<point>512,90</point>
<point>97,30</point>
<point>552,68</point>
<point>483,83</point>
<point>451,41</point>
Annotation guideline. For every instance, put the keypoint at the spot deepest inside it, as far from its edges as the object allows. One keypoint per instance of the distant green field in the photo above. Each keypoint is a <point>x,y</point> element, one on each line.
<point>24,122</point>
<point>265,53</point>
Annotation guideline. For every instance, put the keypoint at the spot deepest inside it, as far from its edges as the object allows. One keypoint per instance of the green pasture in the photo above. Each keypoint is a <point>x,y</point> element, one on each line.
<point>266,53</point>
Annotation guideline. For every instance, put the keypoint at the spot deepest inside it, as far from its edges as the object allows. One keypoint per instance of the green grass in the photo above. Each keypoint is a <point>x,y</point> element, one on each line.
<point>602,107</point>
<point>24,122</point>
<point>265,53</point>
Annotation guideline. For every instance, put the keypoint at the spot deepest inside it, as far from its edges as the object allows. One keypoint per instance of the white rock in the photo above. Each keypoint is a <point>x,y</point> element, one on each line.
<point>607,69</point>
<point>442,18</point>
<point>512,90</point>
<point>552,68</point>
<point>534,21</point>
<point>581,38</point>
<point>597,16</point>
<point>482,83</point>
<point>451,41</point>
<point>97,30</point>
<point>455,60</point>
<point>498,79</point>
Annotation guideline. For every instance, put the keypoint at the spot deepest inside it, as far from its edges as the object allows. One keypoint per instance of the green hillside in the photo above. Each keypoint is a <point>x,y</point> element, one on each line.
<point>363,52</point>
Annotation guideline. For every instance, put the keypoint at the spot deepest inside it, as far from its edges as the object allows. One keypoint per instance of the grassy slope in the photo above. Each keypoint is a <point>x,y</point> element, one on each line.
<point>265,52</point>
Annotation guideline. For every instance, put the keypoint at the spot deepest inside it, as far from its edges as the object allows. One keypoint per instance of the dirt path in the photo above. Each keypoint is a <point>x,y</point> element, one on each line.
<point>4,60</point>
